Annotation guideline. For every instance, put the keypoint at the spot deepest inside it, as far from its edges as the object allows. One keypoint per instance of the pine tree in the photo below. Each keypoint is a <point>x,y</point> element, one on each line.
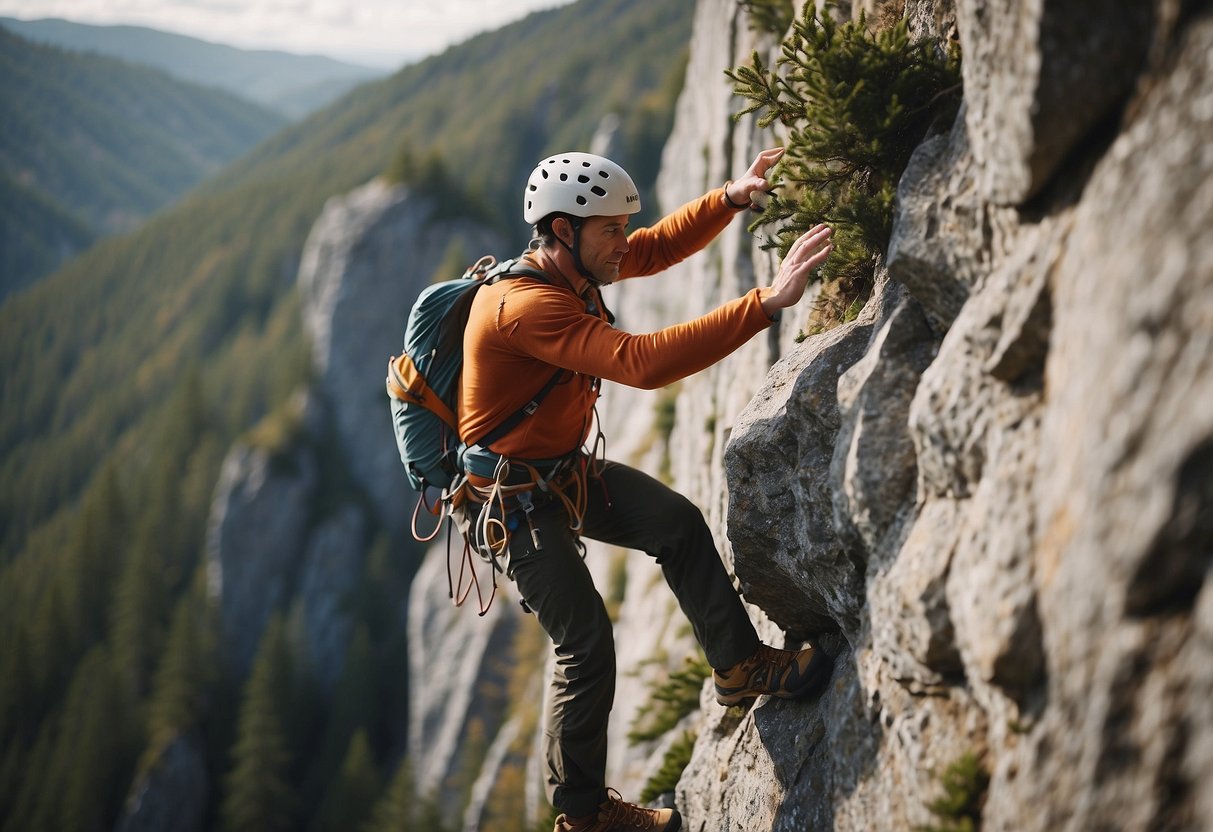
<point>259,796</point>
<point>140,609</point>
<point>76,774</point>
<point>18,711</point>
<point>96,746</point>
<point>348,801</point>
<point>94,560</point>
<point>187,672</point>
<point>854,104</point>
<point>394,810</point>
<point>770,15</point>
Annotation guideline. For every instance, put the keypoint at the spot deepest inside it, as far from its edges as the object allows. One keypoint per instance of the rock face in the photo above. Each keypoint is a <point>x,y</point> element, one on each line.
<point>369,255</point>
<point>457,671</point>
<point>279,538</point>
<point>990,495</point>
<point>257,534</point>
<point>172,794</point>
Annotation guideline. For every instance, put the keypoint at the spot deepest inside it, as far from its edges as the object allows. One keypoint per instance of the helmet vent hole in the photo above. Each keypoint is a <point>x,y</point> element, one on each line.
<point>566,161</point>
<point>581,200</point>
<point>564,177</point>
<point>545,173</point>
<point>585,164</point>
<point>582,178</point>
<point>598,191</point>
<point>528,204</point>
<point>533,187</point>
<point>604,174</point>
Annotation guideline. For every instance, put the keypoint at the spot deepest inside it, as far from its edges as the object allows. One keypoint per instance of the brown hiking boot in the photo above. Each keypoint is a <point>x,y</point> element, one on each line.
<point>616,816</point>
<point>783,673</point>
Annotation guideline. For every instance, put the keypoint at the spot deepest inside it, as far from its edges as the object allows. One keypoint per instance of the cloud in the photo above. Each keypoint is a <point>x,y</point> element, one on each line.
<point>371,29</point>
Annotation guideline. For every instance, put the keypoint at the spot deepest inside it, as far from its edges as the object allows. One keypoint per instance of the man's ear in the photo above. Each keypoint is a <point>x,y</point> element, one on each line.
<point>563,229</point>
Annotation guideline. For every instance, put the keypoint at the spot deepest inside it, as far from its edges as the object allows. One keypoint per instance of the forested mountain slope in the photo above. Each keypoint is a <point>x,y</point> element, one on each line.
<point>128,374</point>
<point>106,142</point>
<point>292,85</point>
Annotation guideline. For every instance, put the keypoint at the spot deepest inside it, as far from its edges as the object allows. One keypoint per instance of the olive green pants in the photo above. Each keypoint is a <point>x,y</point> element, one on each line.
<point>631,509</point>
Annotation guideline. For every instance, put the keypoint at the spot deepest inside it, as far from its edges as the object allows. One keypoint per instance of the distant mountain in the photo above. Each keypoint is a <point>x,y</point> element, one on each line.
<point>90,146</point>
<point>293,85</point>
<point>86,355</point>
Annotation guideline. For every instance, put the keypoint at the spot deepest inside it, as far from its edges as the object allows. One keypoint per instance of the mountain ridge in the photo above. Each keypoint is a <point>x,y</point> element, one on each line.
<point>129,373</point>
<point>105,141</point>
<point>292,84</point>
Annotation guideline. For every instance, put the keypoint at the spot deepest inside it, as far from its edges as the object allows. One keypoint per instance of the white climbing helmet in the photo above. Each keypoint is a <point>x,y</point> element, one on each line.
<point>581,185</point>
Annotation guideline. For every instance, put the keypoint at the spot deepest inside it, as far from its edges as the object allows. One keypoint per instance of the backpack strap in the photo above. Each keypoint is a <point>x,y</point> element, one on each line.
<point>526,410</point>
<point>504,271</point>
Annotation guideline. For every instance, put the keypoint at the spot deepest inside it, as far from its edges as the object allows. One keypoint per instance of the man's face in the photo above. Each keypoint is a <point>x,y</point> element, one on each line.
<point>604,241</point>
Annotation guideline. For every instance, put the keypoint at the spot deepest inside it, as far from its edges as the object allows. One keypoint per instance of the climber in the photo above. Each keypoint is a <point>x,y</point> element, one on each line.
<point>543,491</point>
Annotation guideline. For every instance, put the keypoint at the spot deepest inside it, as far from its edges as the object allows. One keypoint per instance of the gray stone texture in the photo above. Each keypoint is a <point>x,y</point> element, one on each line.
<point>369,255</point>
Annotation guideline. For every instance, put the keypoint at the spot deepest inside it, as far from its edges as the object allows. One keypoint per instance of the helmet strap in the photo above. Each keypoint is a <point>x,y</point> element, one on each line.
<point>575,250</point>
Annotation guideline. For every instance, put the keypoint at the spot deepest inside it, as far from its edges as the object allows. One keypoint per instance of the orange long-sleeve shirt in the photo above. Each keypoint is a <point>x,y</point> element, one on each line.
<point>521,330</point>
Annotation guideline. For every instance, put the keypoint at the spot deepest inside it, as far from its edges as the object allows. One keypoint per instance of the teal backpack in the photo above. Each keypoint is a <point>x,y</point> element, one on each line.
<point>423,381</point>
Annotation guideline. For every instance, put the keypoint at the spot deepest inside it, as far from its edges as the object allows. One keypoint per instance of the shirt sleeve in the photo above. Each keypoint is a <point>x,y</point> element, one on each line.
<point>677,236</point>
<point>552,325</point>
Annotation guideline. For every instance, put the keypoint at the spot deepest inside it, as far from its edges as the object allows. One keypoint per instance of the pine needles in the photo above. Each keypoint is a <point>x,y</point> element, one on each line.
<point>854,105</point>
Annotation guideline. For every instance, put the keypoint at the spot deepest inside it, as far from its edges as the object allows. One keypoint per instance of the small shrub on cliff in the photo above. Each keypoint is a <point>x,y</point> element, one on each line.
<point>958,809</point>
<point>672,766</point>
<point>770,15</point>
<point>854,104</point>
<point>430,176</point>
<point>670,701</point>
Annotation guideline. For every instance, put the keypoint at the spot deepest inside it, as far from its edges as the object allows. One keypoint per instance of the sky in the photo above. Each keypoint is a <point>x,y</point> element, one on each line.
<point>382,33</point>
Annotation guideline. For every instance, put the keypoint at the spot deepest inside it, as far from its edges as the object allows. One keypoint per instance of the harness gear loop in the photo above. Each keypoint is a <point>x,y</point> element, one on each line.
<point>441,510</point>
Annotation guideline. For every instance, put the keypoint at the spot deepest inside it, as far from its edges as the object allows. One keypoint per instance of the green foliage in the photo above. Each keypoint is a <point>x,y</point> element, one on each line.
<point>259,795</point>
<point>670,701</point>
<point>855,104</point>
<point>278,433</point>
<point>348,800</point>
<point>187,673</point>
<point>773,16</point>
<point>958,809</point>
<point>393,811</point>
<point>127,376</point>
<point>453,264</point>
<point>672,765</point>
<point>37,235</point>
<point>431,177</point>
<point>617,584</point>
<point>664,418</point>
<point>96,144</point>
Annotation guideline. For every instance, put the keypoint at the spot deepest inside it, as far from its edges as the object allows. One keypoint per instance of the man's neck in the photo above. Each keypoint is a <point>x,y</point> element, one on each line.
<point>554,265</point>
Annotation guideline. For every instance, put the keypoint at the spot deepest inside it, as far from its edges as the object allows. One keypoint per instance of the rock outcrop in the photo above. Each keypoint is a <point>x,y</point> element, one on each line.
<point>291,524</point>
<point>258,530</point>
<point>171,793</point>
<point>369,255</point>
<point>989,496</point>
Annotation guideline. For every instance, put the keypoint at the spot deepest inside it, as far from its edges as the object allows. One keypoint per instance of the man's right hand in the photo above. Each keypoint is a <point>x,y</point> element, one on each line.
<point>806,254</point>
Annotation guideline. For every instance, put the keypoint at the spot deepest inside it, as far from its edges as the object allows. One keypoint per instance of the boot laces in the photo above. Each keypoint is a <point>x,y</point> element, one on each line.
<point>616,811</point>
<point>768,664</point>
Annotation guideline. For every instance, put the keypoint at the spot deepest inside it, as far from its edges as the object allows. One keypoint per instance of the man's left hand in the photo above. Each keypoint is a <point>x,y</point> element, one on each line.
<point>741,190</point>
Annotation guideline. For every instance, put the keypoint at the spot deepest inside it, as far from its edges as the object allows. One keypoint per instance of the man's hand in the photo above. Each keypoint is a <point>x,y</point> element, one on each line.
<point>740,190</point>
<point>806,254</point>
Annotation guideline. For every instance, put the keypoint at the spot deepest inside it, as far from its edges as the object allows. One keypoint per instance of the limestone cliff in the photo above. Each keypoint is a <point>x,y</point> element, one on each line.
<point>989,495</point>
<point>291,524</point>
